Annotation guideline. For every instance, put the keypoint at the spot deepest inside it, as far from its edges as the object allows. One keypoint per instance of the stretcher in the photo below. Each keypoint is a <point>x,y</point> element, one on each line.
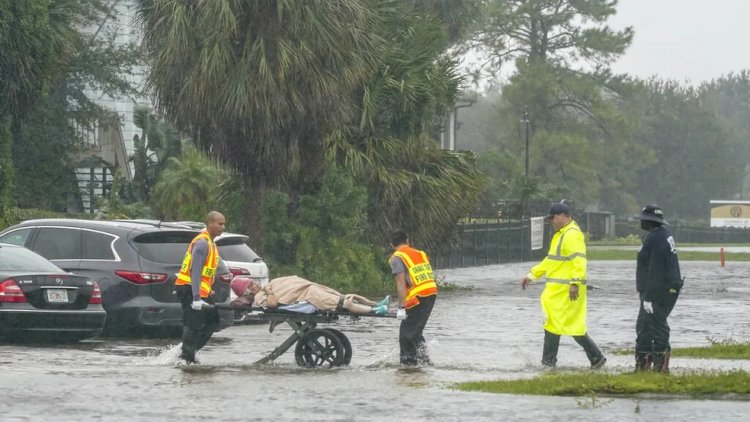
<point>315,347</point>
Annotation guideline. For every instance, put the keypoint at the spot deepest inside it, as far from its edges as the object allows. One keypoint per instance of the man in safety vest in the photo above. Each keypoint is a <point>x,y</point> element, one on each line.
<point>417,291</point>
<point>194,287</point>
<point>564,296</point>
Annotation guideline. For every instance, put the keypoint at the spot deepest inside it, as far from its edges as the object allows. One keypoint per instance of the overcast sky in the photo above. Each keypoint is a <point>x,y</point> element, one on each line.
<point>685,40</point>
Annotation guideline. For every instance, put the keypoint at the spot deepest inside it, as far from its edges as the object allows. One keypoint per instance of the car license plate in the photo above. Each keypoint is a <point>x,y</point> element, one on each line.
<point>57,296</point>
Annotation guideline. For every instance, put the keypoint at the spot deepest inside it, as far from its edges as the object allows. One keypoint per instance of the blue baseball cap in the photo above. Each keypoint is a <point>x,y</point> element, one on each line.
<point>557,208</point>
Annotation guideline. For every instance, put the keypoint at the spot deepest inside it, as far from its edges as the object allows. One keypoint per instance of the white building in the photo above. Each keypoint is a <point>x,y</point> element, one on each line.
<point>94,172</point>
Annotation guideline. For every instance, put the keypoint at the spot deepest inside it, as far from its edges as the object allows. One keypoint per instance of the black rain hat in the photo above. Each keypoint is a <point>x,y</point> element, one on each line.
<point>653,212</point>
<point>557,208</point>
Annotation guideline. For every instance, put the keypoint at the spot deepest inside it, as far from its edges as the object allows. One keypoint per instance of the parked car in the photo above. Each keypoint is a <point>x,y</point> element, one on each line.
<point>134,262</point>
<point>38,297</point>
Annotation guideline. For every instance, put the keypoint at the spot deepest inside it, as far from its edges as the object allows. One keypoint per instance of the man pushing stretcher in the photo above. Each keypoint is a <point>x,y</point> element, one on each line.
<point>297,294</point>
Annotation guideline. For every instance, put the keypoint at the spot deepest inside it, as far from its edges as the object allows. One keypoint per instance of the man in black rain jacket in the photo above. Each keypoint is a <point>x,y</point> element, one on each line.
<point>658,281</point>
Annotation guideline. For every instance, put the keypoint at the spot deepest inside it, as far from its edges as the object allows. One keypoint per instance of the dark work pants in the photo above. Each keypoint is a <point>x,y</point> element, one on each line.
<point>552,343</point>
<point>410,336</point>
<point>652,330</point>
<point>197,326</point>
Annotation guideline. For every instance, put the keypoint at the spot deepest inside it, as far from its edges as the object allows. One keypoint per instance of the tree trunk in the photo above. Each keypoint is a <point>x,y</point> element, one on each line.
<point>312,168</point>
<point>253,213</point>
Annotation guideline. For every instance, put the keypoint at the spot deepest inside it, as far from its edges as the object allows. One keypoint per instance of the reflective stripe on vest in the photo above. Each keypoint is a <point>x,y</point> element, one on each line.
<point>558,256</point>
<point>209,267</point>
<point>420,273</point>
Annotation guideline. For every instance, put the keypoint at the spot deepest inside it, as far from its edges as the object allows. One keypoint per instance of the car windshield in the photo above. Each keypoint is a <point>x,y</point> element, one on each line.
<point>22,259</point>
<point>164,247</point>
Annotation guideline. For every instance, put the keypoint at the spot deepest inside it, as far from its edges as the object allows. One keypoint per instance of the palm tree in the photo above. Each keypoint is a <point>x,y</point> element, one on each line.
<point>259,83</point>
<point>36,39</point>
<point>412,183</point>
<point>187,188</point>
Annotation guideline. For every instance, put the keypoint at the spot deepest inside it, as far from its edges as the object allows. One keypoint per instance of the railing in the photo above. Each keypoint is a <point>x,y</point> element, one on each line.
<point>490,242</point>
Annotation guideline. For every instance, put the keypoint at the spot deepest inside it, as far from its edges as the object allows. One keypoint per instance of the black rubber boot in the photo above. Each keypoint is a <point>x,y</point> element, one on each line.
<point>642,362</point>
<point>661,362</point>
<point>549,352</point>
<point>189,337</point>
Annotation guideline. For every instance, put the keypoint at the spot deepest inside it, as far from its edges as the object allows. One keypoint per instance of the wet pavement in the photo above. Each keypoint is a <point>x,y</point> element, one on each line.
<point>491,331</point>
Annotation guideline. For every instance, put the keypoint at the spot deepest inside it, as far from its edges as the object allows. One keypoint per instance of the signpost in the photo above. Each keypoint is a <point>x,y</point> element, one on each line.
<point>730,214</point>
<point>537,232</point>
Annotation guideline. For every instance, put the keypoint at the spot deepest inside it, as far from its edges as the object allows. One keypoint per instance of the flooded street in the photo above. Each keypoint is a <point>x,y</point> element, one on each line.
<point>491,331</point>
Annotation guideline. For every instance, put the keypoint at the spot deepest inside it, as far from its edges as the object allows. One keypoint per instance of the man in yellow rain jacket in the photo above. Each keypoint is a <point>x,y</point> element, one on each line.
<point>564,296</point>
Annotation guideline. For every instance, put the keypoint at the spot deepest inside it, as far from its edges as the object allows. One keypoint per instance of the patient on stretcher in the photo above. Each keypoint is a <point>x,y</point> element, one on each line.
<point>297,294</point>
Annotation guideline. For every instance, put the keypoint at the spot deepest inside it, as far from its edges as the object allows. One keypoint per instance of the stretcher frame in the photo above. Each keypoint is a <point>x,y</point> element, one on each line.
<point>315,347</point>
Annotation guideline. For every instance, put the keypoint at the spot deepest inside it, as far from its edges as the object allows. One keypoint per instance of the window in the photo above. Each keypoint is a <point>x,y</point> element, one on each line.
<point>21,259</point>
<point>238,253</point>
<point>234,248</point>
<point>16,237</point>
<point>58,243</point>
<point>164,247</point>
<point>97,246</point>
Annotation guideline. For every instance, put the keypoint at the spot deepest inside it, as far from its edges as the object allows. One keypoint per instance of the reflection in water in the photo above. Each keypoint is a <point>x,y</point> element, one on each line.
<point>492,331</point>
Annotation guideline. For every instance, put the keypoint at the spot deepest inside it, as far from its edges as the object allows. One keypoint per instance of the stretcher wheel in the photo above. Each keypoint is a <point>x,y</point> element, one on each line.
<point>345,342</point>
<point>319,347</point>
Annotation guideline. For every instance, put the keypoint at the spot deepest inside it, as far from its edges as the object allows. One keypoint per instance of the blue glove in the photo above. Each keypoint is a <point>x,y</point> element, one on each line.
<point>199,304</point>
<point>648,307</point>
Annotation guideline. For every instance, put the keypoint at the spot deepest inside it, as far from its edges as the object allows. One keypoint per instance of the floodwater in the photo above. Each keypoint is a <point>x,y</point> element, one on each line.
<point>492,331</point>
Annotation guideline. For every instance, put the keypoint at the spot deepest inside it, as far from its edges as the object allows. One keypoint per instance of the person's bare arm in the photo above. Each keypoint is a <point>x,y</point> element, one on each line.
<point>402,288</point>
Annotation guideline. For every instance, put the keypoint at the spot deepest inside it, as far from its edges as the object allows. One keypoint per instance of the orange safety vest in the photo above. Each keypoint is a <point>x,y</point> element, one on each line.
<point>209,267</point>
<point>420,272</point>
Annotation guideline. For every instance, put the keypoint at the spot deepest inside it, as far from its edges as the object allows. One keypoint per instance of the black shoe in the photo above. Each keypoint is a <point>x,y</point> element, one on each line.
<point>597,364</point>
<point>189,358</point>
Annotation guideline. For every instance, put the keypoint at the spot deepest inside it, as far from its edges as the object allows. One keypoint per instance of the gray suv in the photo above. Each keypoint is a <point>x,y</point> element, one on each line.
<point>134,263</point>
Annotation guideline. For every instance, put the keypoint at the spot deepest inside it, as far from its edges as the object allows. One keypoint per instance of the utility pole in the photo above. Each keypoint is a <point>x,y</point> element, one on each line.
<point>526,122</point>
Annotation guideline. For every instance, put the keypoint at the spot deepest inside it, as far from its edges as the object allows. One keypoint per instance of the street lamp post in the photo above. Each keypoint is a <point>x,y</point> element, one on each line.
<point>526,122</point>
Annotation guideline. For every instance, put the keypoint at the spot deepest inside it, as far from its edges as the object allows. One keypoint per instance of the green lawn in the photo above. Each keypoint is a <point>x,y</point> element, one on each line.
<point>726,349</point>
<point>587,383</point>
<point>622,255</point>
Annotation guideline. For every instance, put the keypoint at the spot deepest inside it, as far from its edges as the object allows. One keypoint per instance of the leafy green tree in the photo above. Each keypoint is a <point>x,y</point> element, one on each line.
<point>260,83</point>
<point>327,239</point>
<point>695,158</point>
<point>159,137</point>
<point>564,33</point>
<point>187,188</point>
<point>34,39</point>
<point>730,96</point>
<point>50,63</point>
<point>561,50</point>
<point>391,148</point>
<point>456,16</point>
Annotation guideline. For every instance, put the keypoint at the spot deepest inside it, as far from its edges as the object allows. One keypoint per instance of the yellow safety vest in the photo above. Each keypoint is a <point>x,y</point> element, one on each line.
<point>420,273</point>
<point>209,267</point>
<point>565,264</point>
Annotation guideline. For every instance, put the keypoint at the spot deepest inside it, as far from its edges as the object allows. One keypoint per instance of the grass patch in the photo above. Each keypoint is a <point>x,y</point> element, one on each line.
<point>715,351</point>
<point>580,384</point>
<point>622,255</point>
<point>718,349</point>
